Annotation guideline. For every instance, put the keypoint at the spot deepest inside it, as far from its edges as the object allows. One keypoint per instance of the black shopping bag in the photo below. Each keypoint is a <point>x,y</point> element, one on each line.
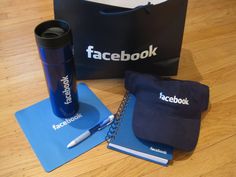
<point>109,39</point>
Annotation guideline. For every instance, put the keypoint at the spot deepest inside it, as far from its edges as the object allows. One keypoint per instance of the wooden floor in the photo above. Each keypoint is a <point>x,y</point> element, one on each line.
<point>208,56</point>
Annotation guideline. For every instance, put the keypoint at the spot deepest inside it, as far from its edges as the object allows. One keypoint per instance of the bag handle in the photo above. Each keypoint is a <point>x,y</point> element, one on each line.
<point>123,11</point>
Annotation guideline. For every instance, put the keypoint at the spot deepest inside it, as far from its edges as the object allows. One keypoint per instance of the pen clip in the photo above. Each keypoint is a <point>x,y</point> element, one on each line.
<point>100,128</point>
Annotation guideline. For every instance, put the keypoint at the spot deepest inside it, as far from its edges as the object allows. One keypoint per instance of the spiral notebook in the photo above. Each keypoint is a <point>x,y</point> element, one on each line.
<point>121,137</point>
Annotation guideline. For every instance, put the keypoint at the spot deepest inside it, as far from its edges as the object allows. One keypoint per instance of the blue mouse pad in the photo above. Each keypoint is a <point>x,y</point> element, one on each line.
<point>49,134</point>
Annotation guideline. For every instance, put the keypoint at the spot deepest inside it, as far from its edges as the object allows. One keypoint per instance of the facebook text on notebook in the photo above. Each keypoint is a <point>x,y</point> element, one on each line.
<point>122,139</point>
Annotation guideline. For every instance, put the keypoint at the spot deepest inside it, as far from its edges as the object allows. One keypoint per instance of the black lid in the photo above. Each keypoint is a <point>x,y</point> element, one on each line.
<point>53,33</point>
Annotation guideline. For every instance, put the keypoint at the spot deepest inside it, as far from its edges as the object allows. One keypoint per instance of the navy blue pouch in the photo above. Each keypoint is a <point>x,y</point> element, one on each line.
<point>167,111</point>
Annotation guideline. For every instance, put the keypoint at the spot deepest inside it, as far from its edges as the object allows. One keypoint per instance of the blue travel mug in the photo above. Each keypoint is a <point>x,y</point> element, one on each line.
<point>54,40</point>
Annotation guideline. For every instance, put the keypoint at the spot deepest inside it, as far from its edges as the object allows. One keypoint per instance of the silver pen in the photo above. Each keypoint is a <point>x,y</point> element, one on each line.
<point>92,130</point>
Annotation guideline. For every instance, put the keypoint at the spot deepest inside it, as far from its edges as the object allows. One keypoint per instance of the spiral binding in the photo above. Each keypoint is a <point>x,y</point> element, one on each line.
<point>116,123</point>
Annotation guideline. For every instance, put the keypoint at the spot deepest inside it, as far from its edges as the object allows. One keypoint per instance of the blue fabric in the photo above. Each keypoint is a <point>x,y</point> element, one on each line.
<point>49,135</point>
<point>167,111</point>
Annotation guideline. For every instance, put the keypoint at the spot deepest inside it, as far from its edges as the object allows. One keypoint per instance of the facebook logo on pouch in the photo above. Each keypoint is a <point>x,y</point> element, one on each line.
<point>174,99</point>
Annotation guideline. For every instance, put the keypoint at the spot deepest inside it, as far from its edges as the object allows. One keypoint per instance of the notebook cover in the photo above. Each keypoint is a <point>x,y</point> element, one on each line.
<point>126,141</point>
<point>49,135</point>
